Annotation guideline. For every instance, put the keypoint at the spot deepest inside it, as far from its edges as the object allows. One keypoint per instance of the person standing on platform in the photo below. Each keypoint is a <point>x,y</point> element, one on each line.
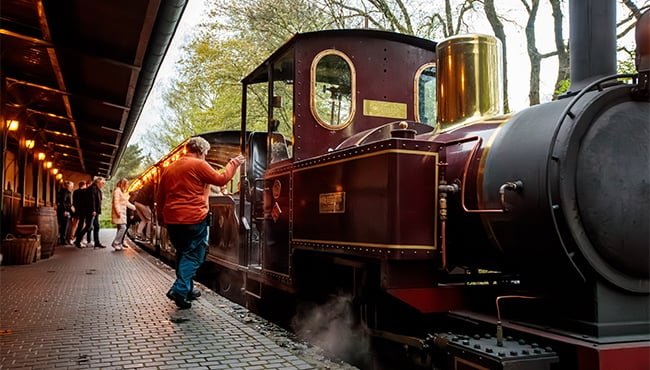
<point>75,212</point>
<point>182,205</point>
<point>84,212</point>
<point>96,206</point>
<point>118,217</point>
<point>91,198</point>
<point>64,210</point>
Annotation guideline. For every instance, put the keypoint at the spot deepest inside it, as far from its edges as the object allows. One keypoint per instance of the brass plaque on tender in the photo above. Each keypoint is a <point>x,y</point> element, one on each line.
<point>331,203</point>
<point>376,108</point>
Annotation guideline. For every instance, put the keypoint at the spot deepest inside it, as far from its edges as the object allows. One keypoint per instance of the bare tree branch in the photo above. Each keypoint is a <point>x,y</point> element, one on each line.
<point>636,12</point>
<point>386,11</point>
<point>467,6</point>
<point>561,50</point>
<point>499,32</point>
<point>405,15</point>
<point>448,21</point>
<point>533,53</point>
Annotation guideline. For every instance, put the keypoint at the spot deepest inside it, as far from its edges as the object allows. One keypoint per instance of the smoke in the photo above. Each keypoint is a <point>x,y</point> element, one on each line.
<point>332,327</point>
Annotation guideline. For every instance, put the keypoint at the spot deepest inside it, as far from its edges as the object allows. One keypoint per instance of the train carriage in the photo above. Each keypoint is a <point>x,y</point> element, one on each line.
<point>388,173</point>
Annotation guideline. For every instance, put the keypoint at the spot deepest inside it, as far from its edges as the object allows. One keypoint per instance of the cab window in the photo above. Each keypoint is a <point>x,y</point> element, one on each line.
<point>332,89</point>
<point>282,104</point>
<point>425,94</point>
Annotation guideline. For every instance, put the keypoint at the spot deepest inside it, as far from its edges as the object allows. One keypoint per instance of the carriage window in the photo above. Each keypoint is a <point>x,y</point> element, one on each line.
<point>425,94</point>
<point>332,89</point>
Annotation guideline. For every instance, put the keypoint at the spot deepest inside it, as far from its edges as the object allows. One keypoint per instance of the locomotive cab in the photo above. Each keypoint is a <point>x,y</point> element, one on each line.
<point>330,94</point>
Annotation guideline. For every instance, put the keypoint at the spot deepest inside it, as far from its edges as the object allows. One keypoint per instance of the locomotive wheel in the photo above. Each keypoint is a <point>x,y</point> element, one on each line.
<point>229,284</point>
<point>225,282</point>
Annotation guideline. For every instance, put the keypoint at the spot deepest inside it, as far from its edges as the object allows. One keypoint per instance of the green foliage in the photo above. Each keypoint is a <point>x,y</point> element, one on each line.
<point>627,66</point>
<point>132,163</point>
<point>562,87</point>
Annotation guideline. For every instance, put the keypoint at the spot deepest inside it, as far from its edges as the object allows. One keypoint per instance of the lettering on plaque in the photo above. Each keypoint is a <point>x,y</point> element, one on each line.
<point>331,203</point>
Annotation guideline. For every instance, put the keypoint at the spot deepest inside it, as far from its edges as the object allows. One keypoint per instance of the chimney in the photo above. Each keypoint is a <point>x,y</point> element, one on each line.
<point>470,80</point>
<point>592,40</point>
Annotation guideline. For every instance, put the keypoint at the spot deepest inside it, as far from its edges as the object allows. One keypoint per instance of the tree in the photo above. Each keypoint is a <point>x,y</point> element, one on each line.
<point>206,94</point>
<point>132,163</point>
<point>562,50</point>
<point>626,23</point>
<point>382,14</point>
<point>497,27</point>
<point>409,17</point>
<point>533,54</point>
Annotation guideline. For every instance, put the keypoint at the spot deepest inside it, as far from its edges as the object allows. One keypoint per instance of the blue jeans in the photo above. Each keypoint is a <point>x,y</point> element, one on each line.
<point>191,243</point>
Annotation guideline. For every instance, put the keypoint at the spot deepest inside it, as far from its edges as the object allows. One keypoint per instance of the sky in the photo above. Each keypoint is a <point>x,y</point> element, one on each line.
<point>518,64</point>
<point>194,14</point>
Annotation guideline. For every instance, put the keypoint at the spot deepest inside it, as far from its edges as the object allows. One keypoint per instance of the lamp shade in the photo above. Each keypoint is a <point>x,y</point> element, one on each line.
<point>12,125</point>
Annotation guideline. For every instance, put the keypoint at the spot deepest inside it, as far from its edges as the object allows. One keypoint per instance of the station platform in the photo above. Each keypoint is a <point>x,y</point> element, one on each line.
<point>104,309</point>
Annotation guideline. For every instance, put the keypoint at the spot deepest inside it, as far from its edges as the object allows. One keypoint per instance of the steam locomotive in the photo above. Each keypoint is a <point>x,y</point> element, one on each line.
<point>389,172</point>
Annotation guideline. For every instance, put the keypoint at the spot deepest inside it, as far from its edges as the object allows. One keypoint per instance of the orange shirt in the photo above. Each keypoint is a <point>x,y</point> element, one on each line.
<point>184,189</point>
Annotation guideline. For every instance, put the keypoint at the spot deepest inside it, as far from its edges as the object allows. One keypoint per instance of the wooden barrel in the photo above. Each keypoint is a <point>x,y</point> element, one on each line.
<point>45,218</point>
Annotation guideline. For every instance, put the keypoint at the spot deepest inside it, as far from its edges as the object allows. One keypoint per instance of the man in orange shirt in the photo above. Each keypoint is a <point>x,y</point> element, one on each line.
<point>182,204</point>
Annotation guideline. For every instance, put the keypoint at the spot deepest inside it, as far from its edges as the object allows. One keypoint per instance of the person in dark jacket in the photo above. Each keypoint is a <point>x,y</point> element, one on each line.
<point>64,210</point>
<point>76,199</point>
<point>83,199</point>
<point>91,198</point>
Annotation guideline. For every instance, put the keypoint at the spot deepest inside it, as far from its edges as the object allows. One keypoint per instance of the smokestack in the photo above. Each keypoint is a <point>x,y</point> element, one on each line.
<point>470,80</point>
<point>592,40</point>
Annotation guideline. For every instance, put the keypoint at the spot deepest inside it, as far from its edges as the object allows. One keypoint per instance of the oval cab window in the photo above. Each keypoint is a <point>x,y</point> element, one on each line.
<point>332,89</point>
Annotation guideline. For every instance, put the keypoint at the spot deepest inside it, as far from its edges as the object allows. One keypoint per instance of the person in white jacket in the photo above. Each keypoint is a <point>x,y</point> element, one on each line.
<point>120,204</point>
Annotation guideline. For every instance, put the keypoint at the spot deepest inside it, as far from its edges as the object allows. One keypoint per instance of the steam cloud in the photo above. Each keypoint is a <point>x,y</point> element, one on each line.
<point>333,328</point>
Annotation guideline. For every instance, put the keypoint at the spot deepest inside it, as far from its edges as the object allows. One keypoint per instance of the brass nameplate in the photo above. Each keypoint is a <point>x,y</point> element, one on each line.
<point>331,203</point>
<point>376,108</point>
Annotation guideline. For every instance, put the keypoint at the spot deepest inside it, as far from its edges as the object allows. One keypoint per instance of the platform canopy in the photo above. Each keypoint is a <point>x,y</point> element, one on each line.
<point>76,73</point>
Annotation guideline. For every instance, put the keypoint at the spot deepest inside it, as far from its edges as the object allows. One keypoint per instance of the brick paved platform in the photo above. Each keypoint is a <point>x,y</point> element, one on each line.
<point>85,308</point>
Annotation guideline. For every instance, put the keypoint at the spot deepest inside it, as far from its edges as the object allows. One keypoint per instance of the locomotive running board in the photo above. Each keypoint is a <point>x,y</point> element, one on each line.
<point>269,278</point>
<point>413,342</point>
<point>430,300</point>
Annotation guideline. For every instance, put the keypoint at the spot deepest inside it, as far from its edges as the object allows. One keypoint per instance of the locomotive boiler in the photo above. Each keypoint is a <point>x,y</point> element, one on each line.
<point>389,173</point>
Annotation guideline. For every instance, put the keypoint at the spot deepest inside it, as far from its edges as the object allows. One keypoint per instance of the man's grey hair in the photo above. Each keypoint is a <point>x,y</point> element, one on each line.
<point>99,179</point>
<point>197,145</point>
